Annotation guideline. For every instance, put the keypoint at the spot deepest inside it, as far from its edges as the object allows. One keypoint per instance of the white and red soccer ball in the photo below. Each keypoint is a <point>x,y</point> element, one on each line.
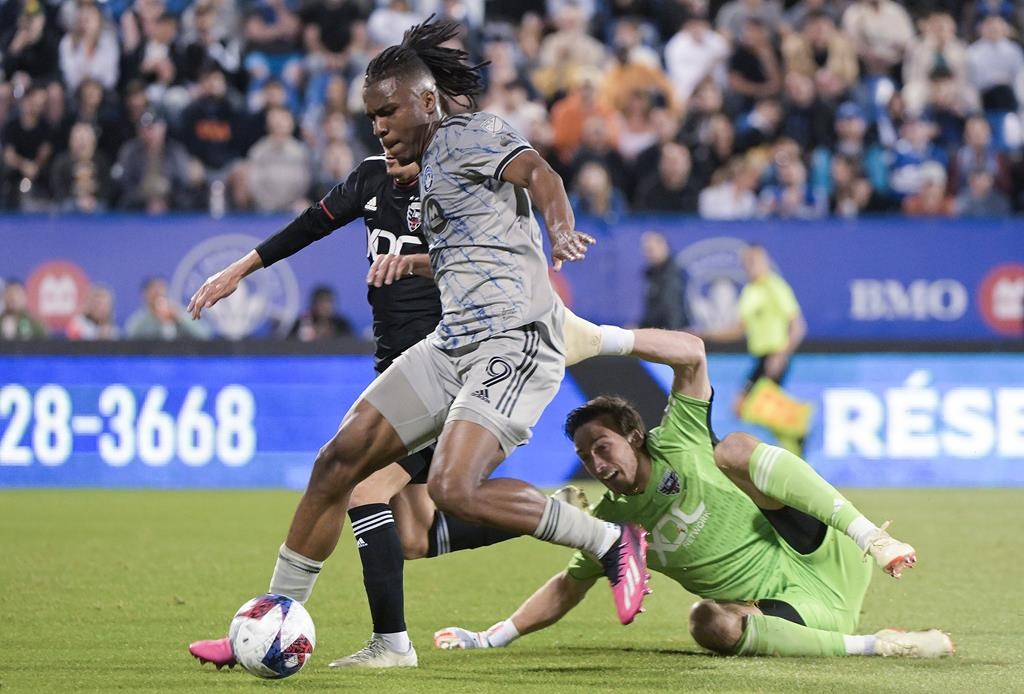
<point>272,636</point>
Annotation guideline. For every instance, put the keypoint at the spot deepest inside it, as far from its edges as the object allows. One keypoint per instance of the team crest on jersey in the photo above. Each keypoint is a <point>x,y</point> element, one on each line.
<point>412,215</point>
<point>428,177</point>
<point>669,484</point>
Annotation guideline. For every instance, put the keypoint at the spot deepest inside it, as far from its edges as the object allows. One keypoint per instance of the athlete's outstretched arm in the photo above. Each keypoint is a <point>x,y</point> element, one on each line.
<point>529,170</point>
<point>550,603</point>
<point>682,351</point>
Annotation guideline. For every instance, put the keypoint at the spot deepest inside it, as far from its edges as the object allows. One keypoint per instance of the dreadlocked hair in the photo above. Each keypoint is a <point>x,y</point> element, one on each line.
<point>421,49</point>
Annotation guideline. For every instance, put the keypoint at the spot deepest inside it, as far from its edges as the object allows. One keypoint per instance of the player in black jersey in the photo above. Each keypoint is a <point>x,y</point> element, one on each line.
<point>406,307</point>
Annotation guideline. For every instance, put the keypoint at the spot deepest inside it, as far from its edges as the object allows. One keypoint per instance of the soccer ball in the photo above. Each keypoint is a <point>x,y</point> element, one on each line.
<point>272,636</point>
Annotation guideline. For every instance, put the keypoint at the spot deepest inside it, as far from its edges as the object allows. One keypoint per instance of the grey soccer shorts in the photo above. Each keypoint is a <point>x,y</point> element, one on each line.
<point>502,383</point>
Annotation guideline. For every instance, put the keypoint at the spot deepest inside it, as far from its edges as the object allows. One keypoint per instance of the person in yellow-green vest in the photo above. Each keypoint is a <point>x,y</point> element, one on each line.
<point>774,326</point>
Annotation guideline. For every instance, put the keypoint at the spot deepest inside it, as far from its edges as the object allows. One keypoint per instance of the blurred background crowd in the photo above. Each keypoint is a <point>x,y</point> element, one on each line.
<point>739,109</point>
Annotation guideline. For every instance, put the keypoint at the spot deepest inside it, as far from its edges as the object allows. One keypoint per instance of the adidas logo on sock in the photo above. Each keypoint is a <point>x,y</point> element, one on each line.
<point>482,394</point>
<point>360,543</point>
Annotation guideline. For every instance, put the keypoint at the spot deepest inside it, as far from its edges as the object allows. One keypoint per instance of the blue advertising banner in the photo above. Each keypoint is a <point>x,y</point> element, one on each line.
<point>257,421</point>
<point>888,278</point>
<point>173,422</point>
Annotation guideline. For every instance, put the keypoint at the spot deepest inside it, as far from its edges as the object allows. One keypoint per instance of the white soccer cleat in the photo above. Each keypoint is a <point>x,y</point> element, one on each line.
<point>913,644</point>
<point>457,638</point>
<point>376,654</point>
<point>891,554</point>
<point>574,496</point>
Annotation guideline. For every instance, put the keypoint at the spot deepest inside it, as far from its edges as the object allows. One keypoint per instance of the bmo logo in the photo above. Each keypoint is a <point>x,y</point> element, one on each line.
<point>918,300</point>
<point>1001,299</point>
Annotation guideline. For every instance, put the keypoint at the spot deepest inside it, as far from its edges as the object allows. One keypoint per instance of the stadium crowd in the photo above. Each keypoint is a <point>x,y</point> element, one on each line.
<point>738,109</point>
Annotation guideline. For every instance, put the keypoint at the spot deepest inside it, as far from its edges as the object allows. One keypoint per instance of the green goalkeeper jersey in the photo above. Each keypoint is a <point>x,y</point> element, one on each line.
<point>705,533</point>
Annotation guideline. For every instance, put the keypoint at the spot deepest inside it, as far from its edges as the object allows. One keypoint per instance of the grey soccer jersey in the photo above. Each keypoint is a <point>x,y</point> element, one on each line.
<point>485,246</point>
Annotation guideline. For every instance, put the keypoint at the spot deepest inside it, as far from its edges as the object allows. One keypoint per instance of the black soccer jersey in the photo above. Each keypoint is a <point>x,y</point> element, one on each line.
<point>405,311</point>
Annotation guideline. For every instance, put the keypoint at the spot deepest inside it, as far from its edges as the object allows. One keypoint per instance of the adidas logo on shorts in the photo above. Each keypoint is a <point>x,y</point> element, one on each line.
<point>360,543</point>
<point>482,394</point>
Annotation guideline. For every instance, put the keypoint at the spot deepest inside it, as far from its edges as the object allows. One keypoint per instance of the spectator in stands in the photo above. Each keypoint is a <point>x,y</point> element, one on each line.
<point>567,52</point>
<point>977,153</point>
<point>881,31</point>
<point>271,32</point>
<point>754,70</point>
<point>948,108</point>
<point>807,119</point>
<point>569,114</point>
<point>666,129</point>
<point>321,321</point>
<point>715,149</point>
<point>29,37</point>
<point>671,188</point>
<point>931,199</point>
<point>797,16</point>
<point>851,142</point>
<point>511,101</point>
<point>334,165</point>
<point>664,304</point>
<point>824,54</point>
<point>760,126</point>
<point>16,321</point>
<point>851,191</point>
<point>211,125</point>
<point>277,168</point>
<point>735,13</point>
<point>637,129</point>
<point>389,21</point>
<point>111,129</point>
<point>635,69</point>
<point>995,64</point>
<point>6,108</point>
<point>57,117</point>
<point>157,61</point>
<point>981,198</point>
<point>156,173</point>
<point>28,145</point>
<point>731,195</point>
<point>938,48</point>
<point>791,197</point>
<point>96,320</point>
<point>595,196</point>
<point>81,175</point>
<point>159,318</point>
<point>211,43</point>
<point>913,151</point>
<point>597,145</point>
<point>695,53</point>
<point>89,49</point>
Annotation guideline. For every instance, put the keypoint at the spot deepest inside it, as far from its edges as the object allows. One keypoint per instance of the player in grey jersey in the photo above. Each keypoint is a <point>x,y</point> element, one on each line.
<point>480,382</point>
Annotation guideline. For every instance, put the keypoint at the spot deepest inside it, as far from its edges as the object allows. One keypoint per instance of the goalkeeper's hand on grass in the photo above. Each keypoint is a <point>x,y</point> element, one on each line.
<point>499,635</point>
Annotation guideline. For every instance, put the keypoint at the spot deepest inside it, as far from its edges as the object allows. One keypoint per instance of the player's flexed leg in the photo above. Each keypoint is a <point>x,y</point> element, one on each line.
<point>497,357</point>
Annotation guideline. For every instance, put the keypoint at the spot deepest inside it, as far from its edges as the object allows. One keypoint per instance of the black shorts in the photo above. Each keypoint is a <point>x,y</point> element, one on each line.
<point>758,372</point>
<point>418,465</point>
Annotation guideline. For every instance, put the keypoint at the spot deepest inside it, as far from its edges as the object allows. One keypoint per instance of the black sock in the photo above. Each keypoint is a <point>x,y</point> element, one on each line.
<point>380,550</point>
<point>449,534</point>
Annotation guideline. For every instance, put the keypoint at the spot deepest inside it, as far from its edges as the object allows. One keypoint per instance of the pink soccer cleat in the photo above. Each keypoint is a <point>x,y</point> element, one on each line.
<point>625,565</point>
<point>216,651</point>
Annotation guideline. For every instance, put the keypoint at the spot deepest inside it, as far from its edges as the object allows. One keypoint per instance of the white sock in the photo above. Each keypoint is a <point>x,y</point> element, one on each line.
<point>563,524</point>
<point>398,642</point>
<point>502,634</point>
<point>860,531</point>
<point>859,645</point>
<point>294,575</point>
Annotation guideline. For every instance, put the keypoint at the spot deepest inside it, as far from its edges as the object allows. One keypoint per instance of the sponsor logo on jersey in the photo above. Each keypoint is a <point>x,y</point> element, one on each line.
<point>428,177</point>
<point>412,215</point>
<point>265,301</point>
<point>669,484</point>
<point>677,529</point>
<point>371,206</point>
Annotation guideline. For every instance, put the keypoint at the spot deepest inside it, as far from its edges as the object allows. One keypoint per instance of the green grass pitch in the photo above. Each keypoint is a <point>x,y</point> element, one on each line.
<point>103,590</point>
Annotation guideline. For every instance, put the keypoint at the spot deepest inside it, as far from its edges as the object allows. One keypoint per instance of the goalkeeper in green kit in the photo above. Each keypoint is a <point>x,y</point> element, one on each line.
<point>774,551</point>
